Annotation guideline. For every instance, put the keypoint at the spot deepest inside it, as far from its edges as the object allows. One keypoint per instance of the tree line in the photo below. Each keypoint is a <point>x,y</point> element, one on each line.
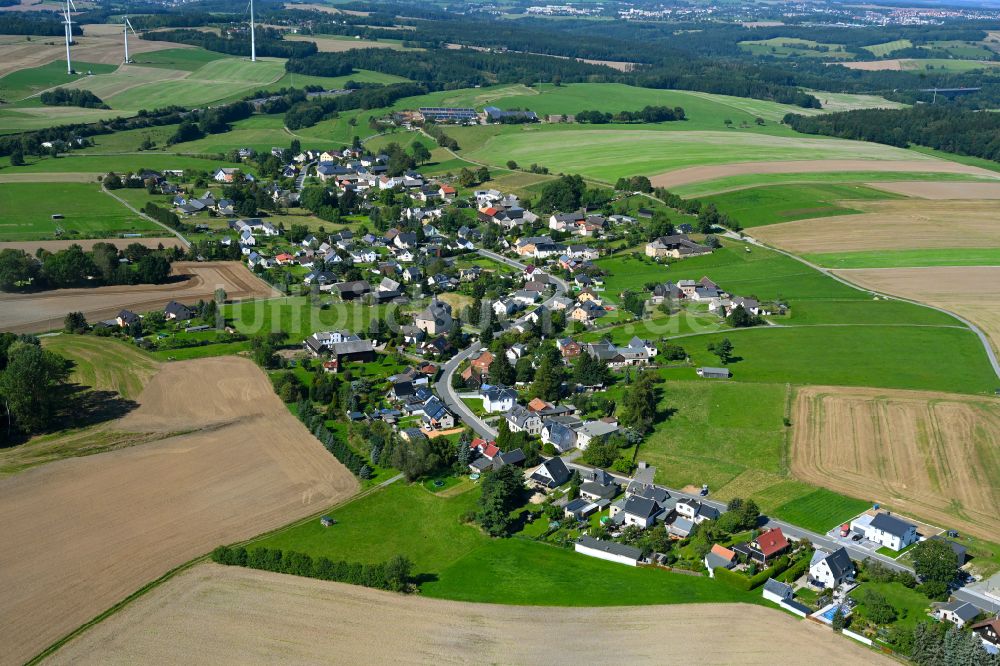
<point>394,574</point>
<point>81,98</point>
<point>308,112</point>
<point>648,114</point>
<point>73,267</point>
<point>268,42</point>
<point>32,383</point>
<point>941,127</point>
<point>35,23</point>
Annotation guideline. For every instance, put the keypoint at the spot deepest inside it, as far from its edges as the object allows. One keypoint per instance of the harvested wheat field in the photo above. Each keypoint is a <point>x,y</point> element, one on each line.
<point>942,190</point>
<point>933,455</point>
<point>972,292</point>
<point>229,615</point>
<point>891,225</point>
<point>45,310</point>
<point>120,243</point>
<point>82,534</point>
<point>700,174</point>
<point>100,44</point>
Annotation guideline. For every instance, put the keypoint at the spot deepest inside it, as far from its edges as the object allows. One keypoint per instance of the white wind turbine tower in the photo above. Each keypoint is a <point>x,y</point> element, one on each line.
<point>253,41</point>
<point>68,21</point>
<point>128,26</point>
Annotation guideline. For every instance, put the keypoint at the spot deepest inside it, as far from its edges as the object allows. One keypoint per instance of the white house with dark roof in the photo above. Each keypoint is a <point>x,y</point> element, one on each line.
<point>520,419</point>
<point>885,529</point>
<point>830,570</point>
<point>497,398</point>
<point>957,612</point>
<point>552,473</point>
<point>608,550</point>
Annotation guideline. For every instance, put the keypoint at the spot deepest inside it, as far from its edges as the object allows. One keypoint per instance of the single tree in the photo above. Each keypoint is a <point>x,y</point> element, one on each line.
<point>723,349</point>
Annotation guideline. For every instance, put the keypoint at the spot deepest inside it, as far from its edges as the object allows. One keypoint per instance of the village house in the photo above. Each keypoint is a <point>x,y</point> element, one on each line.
<point>885,529</point>
<point>719,557</point>
<point>989,632</point>
<point>520,419</point>
<point>552,473</point>
<point>561,436</point>
<point>175,311</point>
<point>769,544</point>
<point>435,318</point>
<point>777,592</point>
<point>592,431</point>
<point>611,551</point>
<point>830,569</point>
<point>957,612</point>
<point>635,510</point>
<point>677,246</point>
<point>226,175</point>
<point>497,398</point>
<point>695,511</point>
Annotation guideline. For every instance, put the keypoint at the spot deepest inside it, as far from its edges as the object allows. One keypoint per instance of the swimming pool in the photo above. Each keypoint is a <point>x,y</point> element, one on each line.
<point>832,610</point>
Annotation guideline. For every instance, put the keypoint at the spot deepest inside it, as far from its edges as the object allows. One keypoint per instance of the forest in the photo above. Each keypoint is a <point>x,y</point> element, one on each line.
<point>269,43</point>
<point>941,127</point>
<point>64,97</point>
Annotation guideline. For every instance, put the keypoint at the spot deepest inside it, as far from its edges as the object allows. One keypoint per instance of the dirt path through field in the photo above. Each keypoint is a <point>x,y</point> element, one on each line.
<point>930,454</point>
<point>82,534</point>
<point>43,311</point>
<point>229,615</point>
<point>970,291</point>
<point>699,174</point>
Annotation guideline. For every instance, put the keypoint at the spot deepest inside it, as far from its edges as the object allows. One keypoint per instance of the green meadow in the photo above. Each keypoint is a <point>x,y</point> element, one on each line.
<point>299,318</point>
<point>771,204</point>
<point>984,256</point>
<point>744,181</point>
<point>33,80</point>
<point>794,47</point>
<point>608,154</point>
<point>100,164</point>
<point>885,48</point>
<point>88,212</point>
<point>918,357</point>
<point>454,559</point>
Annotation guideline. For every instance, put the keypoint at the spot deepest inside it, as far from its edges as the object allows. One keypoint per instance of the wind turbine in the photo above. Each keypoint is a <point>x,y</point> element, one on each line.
<point>127,27</point>
<point>253,41</point>
<point>69,34</point>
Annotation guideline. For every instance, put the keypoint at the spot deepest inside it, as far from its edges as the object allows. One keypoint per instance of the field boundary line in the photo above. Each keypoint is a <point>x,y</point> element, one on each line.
<point>132,208</point>
<point>150,586</point>
<point>990,354</point>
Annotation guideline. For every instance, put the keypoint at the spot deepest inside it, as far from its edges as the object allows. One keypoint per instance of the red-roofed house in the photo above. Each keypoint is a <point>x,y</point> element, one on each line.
<point>446,192</point>
<point>537,405</point>
<point>768,545</point>
<point>988,631</point>
<point>719,556</point>
<point>284,258</point>
<point>487,449</point>
<point>482,363</point>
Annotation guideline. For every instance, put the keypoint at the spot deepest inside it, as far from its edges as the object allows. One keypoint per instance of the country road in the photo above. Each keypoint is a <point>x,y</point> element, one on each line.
<point>132,208</point>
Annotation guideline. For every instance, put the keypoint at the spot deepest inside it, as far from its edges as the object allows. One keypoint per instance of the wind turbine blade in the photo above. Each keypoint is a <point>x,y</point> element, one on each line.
<point>70,2</point>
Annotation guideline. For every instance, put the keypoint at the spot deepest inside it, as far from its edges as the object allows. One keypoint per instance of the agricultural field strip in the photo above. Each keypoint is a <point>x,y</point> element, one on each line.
<point>133,514</point>
<point>233,616</point>
<point>929,454</point>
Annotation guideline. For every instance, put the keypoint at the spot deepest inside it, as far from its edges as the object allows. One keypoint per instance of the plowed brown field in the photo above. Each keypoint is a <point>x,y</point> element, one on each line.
<point>891,225</point>
<point>933,455</point>
<point>942,190</point>
<point>82,534</point>
<point>229,615</point>
<point>699,174</point>
<point>43,311</point>
<point>101,44</point>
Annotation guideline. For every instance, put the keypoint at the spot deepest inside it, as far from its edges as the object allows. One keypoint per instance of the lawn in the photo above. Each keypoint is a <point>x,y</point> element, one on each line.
<point>33,80</point>
<point>984,256</point>
<point>104,364</point>
<point>453,559</point>
<point>720,185</point>
<point>586,149</point>
<point>296,317</point>
<point>890,356</point>
<point>771,204</point>
<point>88,213</point>
<point>910,605</point>
<point>213,81</point>
<point>820,510</point>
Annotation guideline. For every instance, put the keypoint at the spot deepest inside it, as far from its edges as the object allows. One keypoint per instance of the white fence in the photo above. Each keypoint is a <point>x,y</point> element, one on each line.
<point>858,637</point>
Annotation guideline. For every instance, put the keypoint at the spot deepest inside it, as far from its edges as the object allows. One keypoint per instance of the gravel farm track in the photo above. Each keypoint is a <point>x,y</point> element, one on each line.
<point>81,534</point>
<point>972,292</point>
<point>929,454</point>
<point>213,614</point>
<point>45,310</point>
